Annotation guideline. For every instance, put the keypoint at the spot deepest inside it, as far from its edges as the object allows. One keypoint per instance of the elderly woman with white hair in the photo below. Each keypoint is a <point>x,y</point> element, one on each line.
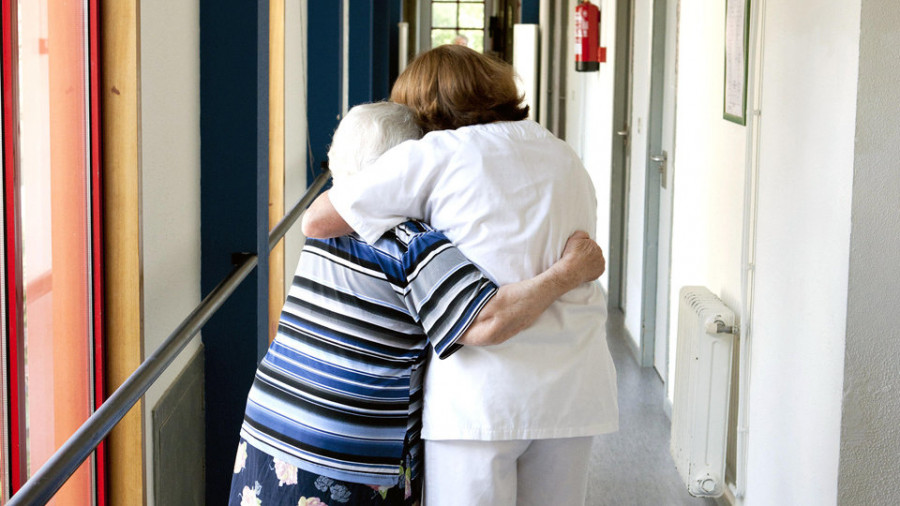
<point>334,412</point>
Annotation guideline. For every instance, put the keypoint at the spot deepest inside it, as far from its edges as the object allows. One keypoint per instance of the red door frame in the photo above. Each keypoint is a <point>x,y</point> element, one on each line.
<point>97,240</point>
<point>14,295</point>
<point>13,285</point>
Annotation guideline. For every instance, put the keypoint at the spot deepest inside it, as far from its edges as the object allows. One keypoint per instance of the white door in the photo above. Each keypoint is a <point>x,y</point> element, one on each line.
<point>644,182</point>
<point>635,177</point>
<point>666,163</point>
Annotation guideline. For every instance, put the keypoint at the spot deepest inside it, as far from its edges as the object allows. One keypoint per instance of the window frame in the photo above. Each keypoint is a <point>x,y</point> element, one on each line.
<point>459,27</point>
<point>424,32</point>
<point>15,454</point>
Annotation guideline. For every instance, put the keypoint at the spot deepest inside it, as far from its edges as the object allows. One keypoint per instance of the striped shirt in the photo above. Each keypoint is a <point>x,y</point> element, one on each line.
<point>340,390</point>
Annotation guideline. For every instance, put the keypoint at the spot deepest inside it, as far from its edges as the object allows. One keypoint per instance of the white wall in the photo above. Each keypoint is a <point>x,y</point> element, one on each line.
<point>707,169</point>
<point>805,178</point>
<point>870,433</point>
<point>295,127</point>
<point>806,160</point>
<point>806,149</point>
<point>170,183</point>
<point>589,127</point>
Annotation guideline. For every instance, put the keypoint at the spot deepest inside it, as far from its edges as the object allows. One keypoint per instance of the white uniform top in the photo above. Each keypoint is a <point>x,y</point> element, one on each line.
<point>508,195</point>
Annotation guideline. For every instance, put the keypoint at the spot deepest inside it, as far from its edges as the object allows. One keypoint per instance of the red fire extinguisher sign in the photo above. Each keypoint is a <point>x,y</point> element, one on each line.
<point>587,37</point>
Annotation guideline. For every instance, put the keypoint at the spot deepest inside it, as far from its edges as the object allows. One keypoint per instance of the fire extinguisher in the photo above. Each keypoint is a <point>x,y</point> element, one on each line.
<point>587,37</point>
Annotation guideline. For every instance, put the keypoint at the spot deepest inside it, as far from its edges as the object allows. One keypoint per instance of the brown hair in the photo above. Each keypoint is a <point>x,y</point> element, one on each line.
<point>453,86</point>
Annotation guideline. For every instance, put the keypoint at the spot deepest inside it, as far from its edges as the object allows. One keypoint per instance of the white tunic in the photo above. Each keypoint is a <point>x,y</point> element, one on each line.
<point>508,195</point>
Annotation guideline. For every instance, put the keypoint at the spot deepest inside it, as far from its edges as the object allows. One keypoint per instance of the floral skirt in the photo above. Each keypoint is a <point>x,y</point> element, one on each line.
<point>260,480</point>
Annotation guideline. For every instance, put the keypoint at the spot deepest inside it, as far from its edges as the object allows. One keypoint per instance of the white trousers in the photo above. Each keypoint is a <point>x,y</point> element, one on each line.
<point>507,473</point>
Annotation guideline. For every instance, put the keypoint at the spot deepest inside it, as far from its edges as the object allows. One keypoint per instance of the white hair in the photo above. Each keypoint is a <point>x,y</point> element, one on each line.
<point>366,132</point>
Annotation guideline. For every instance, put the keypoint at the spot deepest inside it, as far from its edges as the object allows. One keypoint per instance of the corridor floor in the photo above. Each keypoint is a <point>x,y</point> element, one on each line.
<point>632,467</point>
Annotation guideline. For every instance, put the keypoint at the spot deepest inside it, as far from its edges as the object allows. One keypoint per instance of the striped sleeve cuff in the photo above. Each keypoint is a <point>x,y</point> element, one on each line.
<point>447,345</point>
<point>444,290</point>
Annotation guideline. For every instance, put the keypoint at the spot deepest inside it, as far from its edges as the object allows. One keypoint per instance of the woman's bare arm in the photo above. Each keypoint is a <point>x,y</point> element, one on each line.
<point>517,305</point>
<point>322,221</point>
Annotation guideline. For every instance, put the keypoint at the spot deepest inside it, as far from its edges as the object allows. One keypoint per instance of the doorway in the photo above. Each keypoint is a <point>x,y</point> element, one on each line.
<point>666,162</point>
<point>641,191</point>
<point>621,160</point>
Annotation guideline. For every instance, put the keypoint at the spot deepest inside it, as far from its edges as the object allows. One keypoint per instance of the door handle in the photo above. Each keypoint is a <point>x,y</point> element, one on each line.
<point>662,160</point>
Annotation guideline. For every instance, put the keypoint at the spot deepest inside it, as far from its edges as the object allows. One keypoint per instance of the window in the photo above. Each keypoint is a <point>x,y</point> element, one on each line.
<point>52,332</point>
<point>458,22</point>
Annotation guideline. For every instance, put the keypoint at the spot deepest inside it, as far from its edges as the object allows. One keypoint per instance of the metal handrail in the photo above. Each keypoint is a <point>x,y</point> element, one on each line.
<point>41,487</point>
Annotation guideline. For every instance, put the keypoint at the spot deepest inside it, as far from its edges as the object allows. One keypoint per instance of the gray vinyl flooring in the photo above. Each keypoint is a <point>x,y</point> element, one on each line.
<point>632,467</point>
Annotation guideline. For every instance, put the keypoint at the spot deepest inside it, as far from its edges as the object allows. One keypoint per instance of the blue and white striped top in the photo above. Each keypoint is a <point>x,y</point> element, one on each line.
<point>340,390</point>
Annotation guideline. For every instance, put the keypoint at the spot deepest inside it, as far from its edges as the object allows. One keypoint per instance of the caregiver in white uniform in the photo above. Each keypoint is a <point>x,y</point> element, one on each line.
<point>507,424</point>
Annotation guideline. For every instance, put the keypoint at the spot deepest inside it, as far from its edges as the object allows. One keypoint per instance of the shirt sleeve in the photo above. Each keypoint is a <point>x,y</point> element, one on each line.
<point>444,290</point>
<point>390,191</point>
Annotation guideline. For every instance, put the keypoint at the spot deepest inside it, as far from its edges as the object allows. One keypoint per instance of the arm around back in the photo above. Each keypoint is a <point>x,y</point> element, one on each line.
<point>322,220</point>
<point>517,305</point>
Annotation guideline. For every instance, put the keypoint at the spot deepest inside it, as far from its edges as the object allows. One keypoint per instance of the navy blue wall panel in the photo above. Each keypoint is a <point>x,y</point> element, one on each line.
<point>362,47</point>
<point>396,15</point>
<point>384,47</point>
<point>372,54</point>
<point>531,11</point>
<point>234,213</point>
<point>381,37</point>
<point>372,63</point>
<point>323,96</point>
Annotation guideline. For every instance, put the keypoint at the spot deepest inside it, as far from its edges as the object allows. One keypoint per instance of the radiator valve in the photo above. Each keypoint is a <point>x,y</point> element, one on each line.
<point>716,326</point>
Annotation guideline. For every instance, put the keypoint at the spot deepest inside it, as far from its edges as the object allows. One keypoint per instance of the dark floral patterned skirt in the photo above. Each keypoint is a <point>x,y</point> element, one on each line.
<point>263,480</point>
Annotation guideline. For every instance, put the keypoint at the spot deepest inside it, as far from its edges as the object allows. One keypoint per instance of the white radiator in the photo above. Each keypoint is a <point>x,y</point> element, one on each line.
<point>702,389</point>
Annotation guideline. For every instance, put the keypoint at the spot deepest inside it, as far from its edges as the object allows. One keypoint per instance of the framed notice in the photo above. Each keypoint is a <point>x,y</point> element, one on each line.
<point>737,29</point>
